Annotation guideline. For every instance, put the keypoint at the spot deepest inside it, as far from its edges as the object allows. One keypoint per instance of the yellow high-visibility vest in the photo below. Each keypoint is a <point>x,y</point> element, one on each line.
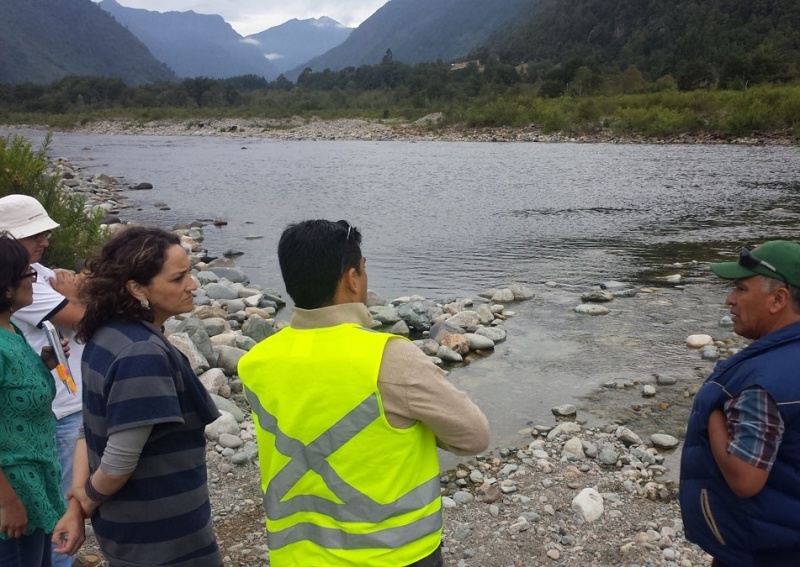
<point>342,487</point>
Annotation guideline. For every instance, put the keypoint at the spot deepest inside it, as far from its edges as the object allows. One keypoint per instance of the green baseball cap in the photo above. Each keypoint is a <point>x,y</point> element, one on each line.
<point>777,259</point>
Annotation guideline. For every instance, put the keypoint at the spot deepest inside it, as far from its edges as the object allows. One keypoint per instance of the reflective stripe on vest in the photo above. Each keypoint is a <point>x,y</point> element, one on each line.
<point>359,508</point>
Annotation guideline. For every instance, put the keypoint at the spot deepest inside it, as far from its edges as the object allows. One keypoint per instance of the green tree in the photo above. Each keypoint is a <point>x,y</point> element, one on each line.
<point>582,81</point>
<point>631,80</point>
<point>23,171</point>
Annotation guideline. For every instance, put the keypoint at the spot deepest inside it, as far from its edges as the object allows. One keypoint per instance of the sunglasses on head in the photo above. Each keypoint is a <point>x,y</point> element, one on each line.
<point>748,260</point>
<point>348,226</point>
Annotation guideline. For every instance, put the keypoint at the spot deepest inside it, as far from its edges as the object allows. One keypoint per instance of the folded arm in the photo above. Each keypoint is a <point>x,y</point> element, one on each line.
<point>415,389</point>
<point>745,438</point>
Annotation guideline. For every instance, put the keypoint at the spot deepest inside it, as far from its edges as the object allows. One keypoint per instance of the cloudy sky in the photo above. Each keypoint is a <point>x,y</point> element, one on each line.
<point>252,16</point>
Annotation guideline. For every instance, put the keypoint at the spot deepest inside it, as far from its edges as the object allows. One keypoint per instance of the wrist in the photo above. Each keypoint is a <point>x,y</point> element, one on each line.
<point>93,494</point>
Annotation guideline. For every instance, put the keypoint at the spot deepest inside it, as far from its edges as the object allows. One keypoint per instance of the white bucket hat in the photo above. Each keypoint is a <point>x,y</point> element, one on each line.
<point>23,216</point>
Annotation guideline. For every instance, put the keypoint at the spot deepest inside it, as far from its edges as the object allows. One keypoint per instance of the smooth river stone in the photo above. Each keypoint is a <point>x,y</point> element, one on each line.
<point>698,341</point>
<point>592,309</point>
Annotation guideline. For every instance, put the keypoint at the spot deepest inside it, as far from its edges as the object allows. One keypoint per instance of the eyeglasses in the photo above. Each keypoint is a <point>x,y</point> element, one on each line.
<point>749,261</point>
<point>33,275</point>
<point>42,235</point>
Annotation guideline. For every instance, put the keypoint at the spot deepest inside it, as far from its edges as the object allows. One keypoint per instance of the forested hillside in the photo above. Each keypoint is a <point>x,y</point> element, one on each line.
<point>45,40</point>
<point>700,43</point>
<point>419,31</point>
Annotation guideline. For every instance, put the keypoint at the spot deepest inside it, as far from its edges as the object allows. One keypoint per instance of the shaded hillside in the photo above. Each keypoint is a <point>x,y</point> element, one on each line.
<point>297,41</point>
<point>699,42</point>
<point>193,45</point>
<point>45,40</point>
<point>418,31</point>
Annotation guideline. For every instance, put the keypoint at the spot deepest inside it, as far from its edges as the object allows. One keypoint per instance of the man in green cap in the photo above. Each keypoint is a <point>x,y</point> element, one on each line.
<point>740,468</point>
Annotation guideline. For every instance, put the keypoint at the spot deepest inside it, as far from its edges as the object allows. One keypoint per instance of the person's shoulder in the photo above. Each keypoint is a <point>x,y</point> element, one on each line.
<point>43,271</point>
<point>123,334</point>
<point>403,352</point>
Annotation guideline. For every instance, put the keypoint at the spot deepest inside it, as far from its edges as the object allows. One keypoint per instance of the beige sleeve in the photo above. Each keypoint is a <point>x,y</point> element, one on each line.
<point>414,389</point>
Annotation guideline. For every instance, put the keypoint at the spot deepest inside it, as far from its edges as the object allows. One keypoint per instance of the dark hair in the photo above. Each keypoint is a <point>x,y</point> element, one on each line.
<point>14,259</point>
<point>313,255</point>
<point>137,254</point>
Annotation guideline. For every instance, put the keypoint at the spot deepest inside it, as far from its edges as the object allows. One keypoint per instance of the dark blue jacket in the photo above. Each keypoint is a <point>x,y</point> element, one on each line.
<point>764,529</point>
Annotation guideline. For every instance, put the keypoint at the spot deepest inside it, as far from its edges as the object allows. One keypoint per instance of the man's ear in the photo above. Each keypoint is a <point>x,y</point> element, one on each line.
<point>351,280</point>
<point>780,299</point>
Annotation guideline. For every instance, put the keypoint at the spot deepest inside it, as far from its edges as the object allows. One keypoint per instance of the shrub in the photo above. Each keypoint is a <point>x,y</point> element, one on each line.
<point>23,171</point>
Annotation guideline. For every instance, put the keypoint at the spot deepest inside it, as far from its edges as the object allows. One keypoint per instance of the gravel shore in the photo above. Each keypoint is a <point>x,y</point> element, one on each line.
<point>427,128</point>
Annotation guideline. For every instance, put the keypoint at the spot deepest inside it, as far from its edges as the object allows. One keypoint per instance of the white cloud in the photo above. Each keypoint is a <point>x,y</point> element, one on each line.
<point>252,16</point>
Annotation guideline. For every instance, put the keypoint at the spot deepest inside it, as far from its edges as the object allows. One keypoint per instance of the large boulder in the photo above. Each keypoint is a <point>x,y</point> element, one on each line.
<point>257,328</point>
<point>183,343</point>
<point>231,274</point>
<point>384,315</point>
<point>220,291</point>
<point>465,320</point>
<point>418,314</point>
<point>228,358</point>
<point>440,331</point>
<point>213,380</point>
<point>196,330</point>
<point>457,343</point>
<point>521,291</point>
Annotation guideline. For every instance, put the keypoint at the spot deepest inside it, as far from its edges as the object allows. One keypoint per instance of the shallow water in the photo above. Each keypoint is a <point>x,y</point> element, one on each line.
<point>446,219</point>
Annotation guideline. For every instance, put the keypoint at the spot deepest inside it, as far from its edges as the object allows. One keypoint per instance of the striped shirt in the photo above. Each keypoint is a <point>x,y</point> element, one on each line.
<point>162,515</point>
<point>755,427</point>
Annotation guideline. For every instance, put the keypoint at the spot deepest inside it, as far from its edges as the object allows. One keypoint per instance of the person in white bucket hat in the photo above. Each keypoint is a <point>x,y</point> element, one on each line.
<point>23,216</point>
<point>55,299</point>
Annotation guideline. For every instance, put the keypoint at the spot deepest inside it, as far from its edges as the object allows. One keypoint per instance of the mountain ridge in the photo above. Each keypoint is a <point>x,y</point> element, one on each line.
<point>193,44</point>
<point>296,41</point>
<point>42,41</point>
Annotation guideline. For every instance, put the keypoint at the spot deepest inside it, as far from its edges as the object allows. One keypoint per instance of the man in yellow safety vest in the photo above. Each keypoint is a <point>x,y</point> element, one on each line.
<point>348,419</point>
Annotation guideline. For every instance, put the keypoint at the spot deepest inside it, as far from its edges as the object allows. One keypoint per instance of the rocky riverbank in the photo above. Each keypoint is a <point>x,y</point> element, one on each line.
<point>427,128</point>
<point>564,494</point>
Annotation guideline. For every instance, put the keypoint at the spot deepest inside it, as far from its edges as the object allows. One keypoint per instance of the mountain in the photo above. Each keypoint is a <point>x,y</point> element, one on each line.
<point>699,42</point>
<point>296,41</point>
<point>194,45</point>
<point>419,30</point>
<point>42,41</point>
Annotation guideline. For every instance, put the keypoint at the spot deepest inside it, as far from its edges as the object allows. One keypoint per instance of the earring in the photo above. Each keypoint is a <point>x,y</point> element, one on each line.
<point>145,303</point>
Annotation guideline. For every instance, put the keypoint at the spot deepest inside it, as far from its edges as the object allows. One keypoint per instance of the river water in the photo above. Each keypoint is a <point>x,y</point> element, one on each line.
<point>446,219</point>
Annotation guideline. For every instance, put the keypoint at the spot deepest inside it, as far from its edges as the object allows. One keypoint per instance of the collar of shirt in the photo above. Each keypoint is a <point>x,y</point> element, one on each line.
<point>331,316</point>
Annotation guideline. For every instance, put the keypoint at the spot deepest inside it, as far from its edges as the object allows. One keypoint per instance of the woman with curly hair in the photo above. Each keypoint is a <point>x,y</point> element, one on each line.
<point>30,476</point>
<point>145,411</point>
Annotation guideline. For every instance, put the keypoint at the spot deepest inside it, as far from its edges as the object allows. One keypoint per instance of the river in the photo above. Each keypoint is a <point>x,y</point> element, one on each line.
<point>446,219</point>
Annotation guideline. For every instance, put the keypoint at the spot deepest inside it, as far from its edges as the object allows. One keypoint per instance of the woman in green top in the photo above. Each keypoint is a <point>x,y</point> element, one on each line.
<point>30,479</point>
